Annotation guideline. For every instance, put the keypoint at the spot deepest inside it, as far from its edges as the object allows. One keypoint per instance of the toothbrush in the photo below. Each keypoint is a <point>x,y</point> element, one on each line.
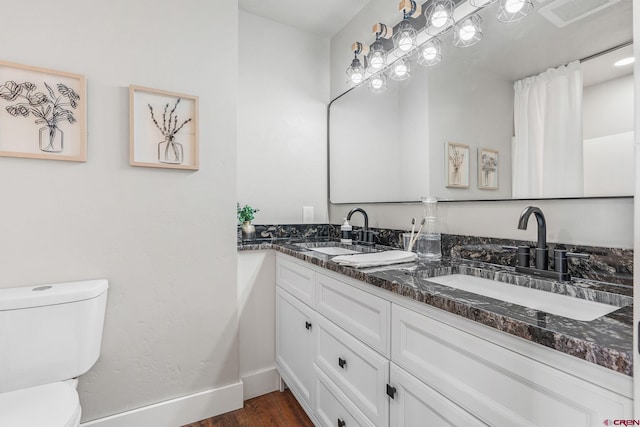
<point>413,240</point>
<point>413,229</point>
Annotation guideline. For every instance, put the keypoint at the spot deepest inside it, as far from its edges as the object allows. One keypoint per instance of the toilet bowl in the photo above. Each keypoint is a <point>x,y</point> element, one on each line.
<point>49,405</point>
<point>50,335</point>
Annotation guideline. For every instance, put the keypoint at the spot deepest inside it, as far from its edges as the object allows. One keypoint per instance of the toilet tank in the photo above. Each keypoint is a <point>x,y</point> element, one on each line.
<point>50,332</point>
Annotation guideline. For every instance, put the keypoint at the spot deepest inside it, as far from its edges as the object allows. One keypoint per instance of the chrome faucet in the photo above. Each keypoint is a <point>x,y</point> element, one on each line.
<point>365,236</point>
<point>542,253</point>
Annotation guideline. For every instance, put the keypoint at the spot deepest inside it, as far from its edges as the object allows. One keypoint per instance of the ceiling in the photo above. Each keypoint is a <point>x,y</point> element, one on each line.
<point>324,18</point>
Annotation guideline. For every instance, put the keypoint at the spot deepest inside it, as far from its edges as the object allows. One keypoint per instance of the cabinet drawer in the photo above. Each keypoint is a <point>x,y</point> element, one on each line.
<point>499,386</point>
<point>296,279</point>
<point>362,314</point>
<point>415,404</point>
<point>358,371</point>
<point>332,407</point>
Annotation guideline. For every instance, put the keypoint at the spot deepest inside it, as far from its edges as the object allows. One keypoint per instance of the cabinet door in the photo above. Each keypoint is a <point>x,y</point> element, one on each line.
<point>417,405</point>
<point>358,371</point>
<point>295,344</point>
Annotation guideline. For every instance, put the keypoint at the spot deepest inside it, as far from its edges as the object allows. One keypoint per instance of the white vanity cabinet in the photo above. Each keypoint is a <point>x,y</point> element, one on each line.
<point>373,358</point>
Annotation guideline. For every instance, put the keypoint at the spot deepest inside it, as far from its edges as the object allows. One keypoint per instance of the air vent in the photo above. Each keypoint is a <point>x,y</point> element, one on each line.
<point>564,12</point>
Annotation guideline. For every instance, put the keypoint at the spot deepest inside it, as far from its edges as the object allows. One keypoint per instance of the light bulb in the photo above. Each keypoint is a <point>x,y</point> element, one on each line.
<point>357,77</point>
<point>401,69</point>
<point>405,42</point>
<point>514,6</point>
<point>378,83</point>
<point>429,53</point>
<point>439,17</point>
<point>467,31</point>
<point>376,61</point>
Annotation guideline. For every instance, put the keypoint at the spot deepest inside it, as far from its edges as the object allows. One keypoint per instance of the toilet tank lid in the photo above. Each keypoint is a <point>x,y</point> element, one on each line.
<point>51,294</point>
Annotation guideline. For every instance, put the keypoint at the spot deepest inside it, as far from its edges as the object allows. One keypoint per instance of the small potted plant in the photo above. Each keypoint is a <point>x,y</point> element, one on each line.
<point>245,216</point>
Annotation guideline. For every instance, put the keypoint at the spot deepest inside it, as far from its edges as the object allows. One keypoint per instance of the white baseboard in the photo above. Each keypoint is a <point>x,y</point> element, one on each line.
<point>260,382</point>
<point>178,412</point>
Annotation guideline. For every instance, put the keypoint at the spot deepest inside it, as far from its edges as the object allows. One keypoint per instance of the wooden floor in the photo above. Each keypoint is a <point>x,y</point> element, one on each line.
<point>270,410</point>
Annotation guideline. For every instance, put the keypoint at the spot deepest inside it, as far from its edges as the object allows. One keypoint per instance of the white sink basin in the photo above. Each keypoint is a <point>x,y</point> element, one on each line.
<point>549,302</point>
<point>334,250</point>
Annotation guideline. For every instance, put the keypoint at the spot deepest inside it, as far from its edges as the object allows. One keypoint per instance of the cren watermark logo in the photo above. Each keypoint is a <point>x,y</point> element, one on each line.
<point>621,422</point>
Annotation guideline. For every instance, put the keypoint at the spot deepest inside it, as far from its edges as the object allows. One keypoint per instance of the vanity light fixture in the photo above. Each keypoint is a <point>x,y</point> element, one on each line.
<point>355,71</point>
<point>377,57</point>
<point>439,16</point>
<point>377,83</point>
<point>468,32</point>
<point>404,39</point>
<point>624,61</point>
<point>430,53</point>
<point>400,70</point>
<point>514,10</point>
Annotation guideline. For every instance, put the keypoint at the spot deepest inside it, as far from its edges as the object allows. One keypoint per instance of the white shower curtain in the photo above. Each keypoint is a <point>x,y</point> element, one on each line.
<point>547,147</point>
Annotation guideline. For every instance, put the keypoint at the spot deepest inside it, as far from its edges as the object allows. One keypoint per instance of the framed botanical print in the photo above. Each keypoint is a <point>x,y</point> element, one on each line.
<point>43,113</point>
<point>487,169</point>
<point>163,129</point>
<point>457,165</point>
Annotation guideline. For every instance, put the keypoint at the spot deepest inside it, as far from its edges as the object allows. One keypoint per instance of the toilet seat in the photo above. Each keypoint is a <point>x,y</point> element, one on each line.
<point>51,405</point>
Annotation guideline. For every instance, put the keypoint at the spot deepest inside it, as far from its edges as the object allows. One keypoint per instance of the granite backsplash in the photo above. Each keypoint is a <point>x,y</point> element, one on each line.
<point>612,265</point>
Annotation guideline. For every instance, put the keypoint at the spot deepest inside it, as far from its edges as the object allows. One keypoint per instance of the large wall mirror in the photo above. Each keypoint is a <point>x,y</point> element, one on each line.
<point>484,103</point>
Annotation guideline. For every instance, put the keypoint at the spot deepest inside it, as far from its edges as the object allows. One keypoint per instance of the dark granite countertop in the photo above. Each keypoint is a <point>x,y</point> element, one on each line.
<point>606,341</point>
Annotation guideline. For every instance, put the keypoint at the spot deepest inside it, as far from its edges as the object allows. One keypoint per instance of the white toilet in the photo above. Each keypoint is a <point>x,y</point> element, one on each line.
<point>49,335</point>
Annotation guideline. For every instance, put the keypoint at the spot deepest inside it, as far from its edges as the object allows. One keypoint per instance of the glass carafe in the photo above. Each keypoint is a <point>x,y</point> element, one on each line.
<point>428,243</point>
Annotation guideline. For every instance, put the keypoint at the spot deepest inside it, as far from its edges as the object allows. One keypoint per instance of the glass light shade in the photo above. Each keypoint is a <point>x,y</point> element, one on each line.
<point>514,10</point>
<point>430,53</point>
<point>355,73</point>
<point>439,16</point>
<point>377,57</point>
<point>378,83</point>
<point>400,70</point>
<point>468,31</point>
<point>404,40</point>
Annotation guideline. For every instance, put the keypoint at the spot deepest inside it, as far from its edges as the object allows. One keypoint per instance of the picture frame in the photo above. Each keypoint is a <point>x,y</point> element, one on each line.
<point>488,169</point>
<point>163,129</point>
<point>457,165</point>
<point>43,113</point>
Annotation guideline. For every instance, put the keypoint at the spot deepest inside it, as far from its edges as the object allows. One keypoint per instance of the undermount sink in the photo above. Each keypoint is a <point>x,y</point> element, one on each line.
<point>549,302</point>
<point>334,250</point>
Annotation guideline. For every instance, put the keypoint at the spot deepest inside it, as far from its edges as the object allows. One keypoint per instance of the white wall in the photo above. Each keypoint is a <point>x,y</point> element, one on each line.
<point>603,222</point>
<point>257,322</point>
<point>282,120</point>
<point>607,108</point>
<point>165,239</point>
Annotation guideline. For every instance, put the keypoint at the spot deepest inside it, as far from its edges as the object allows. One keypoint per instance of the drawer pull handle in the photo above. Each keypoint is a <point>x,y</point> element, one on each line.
<point>341,362</point>
<point>307,325</point>
<point>341,423</point>
<point>391,391</point>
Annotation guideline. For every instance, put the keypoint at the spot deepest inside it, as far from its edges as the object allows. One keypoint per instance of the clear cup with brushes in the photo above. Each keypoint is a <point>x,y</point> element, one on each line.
<point>427,240</point>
